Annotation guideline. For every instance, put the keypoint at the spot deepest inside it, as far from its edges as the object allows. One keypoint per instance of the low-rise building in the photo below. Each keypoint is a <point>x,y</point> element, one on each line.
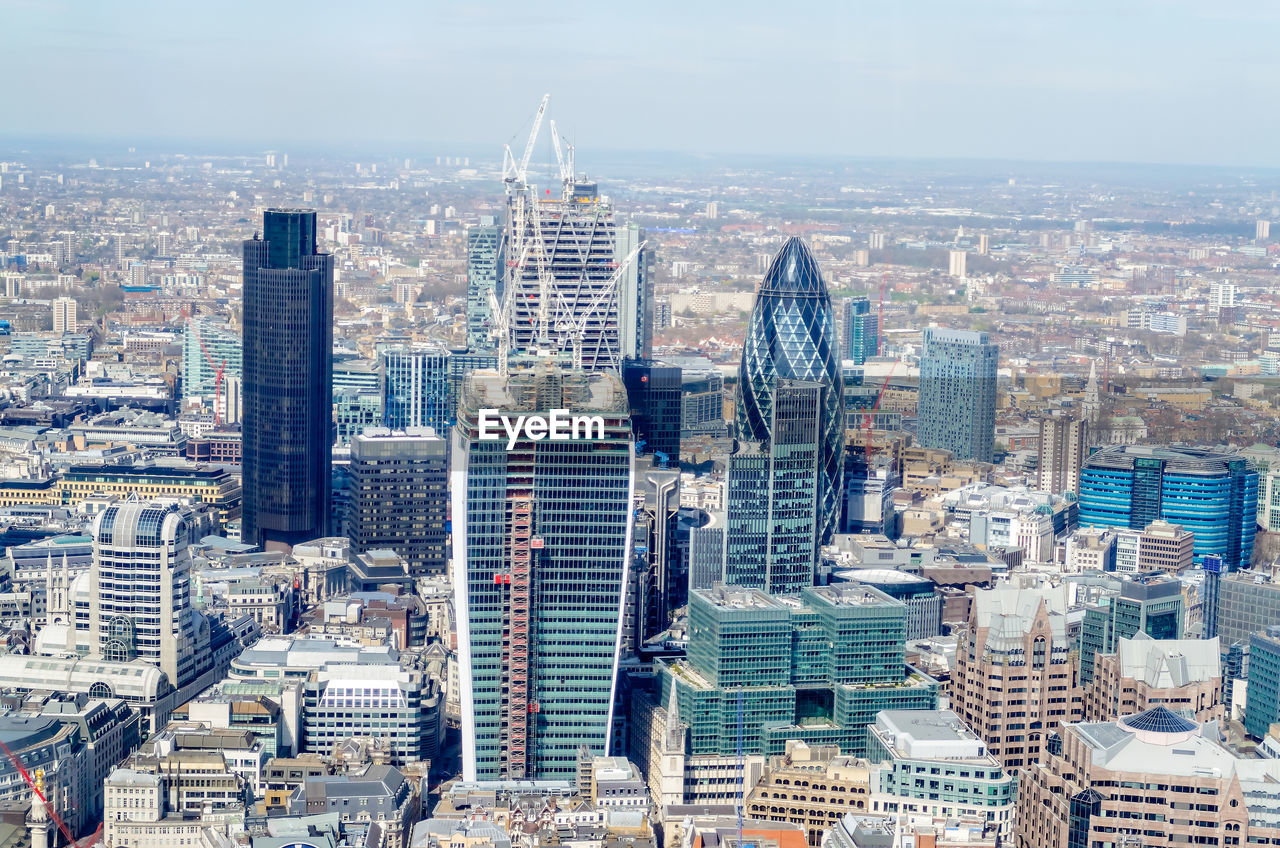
<point>812,787</point>
<point>932,763</point>
<point>376,808</point>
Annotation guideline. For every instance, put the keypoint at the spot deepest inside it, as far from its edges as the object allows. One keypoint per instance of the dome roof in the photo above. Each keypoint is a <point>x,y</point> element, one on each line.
<point>1160,726</point>
<point>793,271</point>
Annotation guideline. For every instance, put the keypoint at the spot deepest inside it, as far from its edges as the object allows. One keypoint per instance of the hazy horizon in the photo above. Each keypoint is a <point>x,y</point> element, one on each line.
<point>1145,81</point>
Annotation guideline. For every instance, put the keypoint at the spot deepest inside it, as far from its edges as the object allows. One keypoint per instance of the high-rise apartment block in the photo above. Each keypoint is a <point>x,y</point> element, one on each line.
<point>287,390</point>
<point>1147,603</point>
<point>1093,788</point>
<point>397,496</point>
<point>859,330</point>
<point>485,267</point>
<point>655,393</point>
<point>957,407</point>
<point>958,260</point>
<point>1064,443</point>
<point>1182,674</point>
<point>64,315</point>
<point>773,494</point>
<point>791,336</point>
<point>1212,493</point>
<point>1015,675</point>
<point>541,546</point>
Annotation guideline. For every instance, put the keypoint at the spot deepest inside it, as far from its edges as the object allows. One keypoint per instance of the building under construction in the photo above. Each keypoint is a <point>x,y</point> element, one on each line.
<point>541,544</point>
<point>576,280</point>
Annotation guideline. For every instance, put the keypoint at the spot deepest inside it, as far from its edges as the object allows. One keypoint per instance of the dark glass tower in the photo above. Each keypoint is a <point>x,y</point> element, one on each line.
<point>656,395</point>
<point>792,335</point>
<point>288,376</point>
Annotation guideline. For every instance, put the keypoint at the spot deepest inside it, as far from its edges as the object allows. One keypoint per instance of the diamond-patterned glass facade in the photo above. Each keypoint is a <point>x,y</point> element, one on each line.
<point>792,334</point>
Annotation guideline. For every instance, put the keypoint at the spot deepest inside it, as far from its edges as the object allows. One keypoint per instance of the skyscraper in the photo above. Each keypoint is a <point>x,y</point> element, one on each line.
<point>286,390</point>
<point>1016,656</point>
<point>791,335</point>
<point>574,249</point>
<point>415,388</point>
<point>1063,444</point>
<point>655,393</point>
<point>661,564</point>
<point>860,330</point>
<point>64,315</point>
<point>957,406</point>
<point>1212,493</point>
<point>773,498</point>
<point>541,548</point>
<point>140,592</point>
<point>398,499</point>
<point>484,269</point>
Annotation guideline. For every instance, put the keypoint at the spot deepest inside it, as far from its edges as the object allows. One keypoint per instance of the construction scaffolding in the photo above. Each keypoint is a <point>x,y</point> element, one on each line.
<point>564,274</point>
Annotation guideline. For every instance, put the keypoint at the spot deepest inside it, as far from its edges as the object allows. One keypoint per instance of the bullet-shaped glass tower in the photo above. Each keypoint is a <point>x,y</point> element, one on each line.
<point>792,335</point>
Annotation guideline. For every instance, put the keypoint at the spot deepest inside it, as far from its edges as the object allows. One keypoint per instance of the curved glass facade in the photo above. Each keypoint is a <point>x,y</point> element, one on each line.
<point>792,334</point>
<point>1212,494</point>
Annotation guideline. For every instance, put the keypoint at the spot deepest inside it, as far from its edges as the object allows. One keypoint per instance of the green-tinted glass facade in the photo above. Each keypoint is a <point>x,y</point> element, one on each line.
<point>1151,604</point>
<point>816,666</point>
<point>775,496</point>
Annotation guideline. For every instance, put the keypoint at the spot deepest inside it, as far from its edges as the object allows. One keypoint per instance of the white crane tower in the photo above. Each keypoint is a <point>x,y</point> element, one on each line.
<point>565,307</point>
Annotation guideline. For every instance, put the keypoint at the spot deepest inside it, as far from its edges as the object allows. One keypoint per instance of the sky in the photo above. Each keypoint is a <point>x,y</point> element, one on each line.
<point>1156,81</point>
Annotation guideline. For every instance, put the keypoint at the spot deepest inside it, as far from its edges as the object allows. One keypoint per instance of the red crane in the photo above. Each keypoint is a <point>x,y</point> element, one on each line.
<point>53,814</point>
<point>866,416</point>
<point>219,370</point>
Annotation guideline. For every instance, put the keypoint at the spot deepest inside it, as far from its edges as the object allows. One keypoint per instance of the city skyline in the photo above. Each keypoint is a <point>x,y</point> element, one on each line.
<point>993,81</point>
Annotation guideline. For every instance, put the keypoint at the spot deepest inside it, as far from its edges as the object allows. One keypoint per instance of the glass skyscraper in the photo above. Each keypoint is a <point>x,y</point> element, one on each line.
<point>656,394</point>
<point>860,330</point>
<point>484,269</point>
<point>957,405</point>
<point>773,496</point>
<point>415,388</point>
<point>286,392</point>
<point>1212,493</point>
<point>792,335</point>
<point>541,547</point>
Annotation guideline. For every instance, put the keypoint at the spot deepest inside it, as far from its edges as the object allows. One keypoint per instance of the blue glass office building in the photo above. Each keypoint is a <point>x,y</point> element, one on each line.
<point>860,331</point>
<point>1211,492</point>
<point>792,334</point>
<point>415,388</point>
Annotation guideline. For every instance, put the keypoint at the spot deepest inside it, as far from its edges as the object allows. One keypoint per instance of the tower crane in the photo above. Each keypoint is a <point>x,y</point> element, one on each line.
<point>573,323</point>
<point>513,172</point>
<point>218,370</point>
<point>564,160</point>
